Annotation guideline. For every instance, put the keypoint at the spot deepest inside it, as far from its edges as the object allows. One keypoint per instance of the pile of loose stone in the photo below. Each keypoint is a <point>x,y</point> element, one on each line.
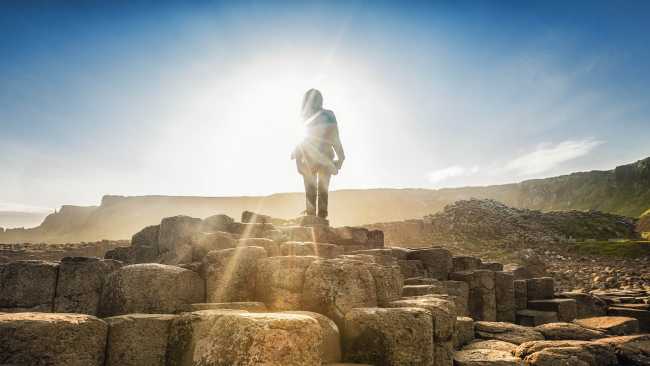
<point>220,292</point>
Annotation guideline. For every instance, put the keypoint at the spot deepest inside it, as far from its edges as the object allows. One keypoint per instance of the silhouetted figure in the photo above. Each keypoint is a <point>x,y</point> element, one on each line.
<point>320,154</point>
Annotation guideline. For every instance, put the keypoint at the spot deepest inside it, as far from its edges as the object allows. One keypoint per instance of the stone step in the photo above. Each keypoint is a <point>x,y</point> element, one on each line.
<point>533,318</point>
<point>566,309</point>
<point>643,316</point>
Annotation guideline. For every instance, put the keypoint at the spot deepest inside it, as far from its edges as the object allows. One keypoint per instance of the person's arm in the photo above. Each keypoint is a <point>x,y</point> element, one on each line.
<point>338,146</point>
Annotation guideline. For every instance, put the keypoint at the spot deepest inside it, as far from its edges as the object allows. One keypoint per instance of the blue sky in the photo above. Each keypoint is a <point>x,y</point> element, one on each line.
<point>201,98</point>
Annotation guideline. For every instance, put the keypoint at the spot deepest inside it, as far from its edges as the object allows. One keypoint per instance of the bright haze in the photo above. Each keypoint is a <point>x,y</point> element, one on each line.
<point>202,98</point>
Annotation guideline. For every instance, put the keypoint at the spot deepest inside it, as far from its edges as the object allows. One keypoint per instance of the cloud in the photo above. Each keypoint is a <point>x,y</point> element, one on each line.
<point>18,207</point>
<point>451,172</point>
<point>547,156</point>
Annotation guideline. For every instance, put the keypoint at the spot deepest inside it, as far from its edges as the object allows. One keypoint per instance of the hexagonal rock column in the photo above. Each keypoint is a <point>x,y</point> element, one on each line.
<point>482,298</point>
<point>27,285</point>
<point>587,306</point>
<point>250,306</point>
<point>322,250</point>
<point>506,332</point>
<point>150,288</point>
<point>540,288</point>
<point>412,268</point>
<point>144,245</point>
<point>568,331</point>
<point>443,314</point>
<point>272,248</point>
<point>137,339</point>
<point>335,286</point>
<point>565,308</point>
<point>230,337</point>
<point>521,294</point>
<point>203,243</point>
<point>331,346</point>
<point>52,339</point>
<point>388,282</point>
<point>388,337</point>
<point>504,288</point>
<point>80,283</point>
<point>280,280</point>
<point>465,263</point>
<point>437,261</point>
<point>459,292</point>
<point>175,238</point>
<point>230,274</point>
<point>485,357</point>
<point>464,331</point>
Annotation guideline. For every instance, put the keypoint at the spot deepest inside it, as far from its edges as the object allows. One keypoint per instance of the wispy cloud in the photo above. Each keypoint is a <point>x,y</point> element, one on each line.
<point>17,207</point>
<point>454,171</point>
<point>548,156</point>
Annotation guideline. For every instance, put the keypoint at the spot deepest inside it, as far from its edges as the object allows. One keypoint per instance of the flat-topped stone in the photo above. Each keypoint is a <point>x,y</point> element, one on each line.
<point>506,332</point>
<point>613,325</point>
<point>137,339</point>
<point>485,357</point>
<point>491,344</point>
<point>330,348</point>
<point>540,288</point>
<point>464,331</point>
<point>531,318</point>
<point>230,274</point>
<point>565,308</point>
<point>437,261</point>
<point>280,281</point>
<point>52,339</point>
<point>323,250</point>
<point>564,331</point>
<point>28,285</point>
<point>252,306</point>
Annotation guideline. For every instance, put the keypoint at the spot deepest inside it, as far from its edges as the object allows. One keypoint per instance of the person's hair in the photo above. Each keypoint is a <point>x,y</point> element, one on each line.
<point>312,102</point>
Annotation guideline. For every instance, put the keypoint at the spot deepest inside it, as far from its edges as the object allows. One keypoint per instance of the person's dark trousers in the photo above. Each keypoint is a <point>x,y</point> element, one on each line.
<point>316,191</point>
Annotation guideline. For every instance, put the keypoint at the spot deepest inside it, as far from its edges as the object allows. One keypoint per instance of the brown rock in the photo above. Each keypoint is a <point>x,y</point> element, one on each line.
<point>464,331</point>
<point>532,318</point>
<point>331,345</point>
<point>485,357</point>
<point>459,292</point>
<point>137,339</point>
<point>506,332</point>
<point>389,336</point>
<point>583,355</point>
<point>322,250</point>
<point>587,306</point>
<point>613,325</point>
<point>567,331</point>
<point>203,243</point>
<point>565,308</point>
<point>528,348</point>
<point>504,288</point>
<point>482,297</point>
<point>175,238</point>
<point>630,350</point>
<point>52,339</point>
<point>492,344</point>
<point>250,306</point>
<point>521,294</point>
<point>230,274</point>
<point>280,281</point>
<point>437,261</point>
<point>150,288</point>
<point>27,285</point>
<point>540,288</point>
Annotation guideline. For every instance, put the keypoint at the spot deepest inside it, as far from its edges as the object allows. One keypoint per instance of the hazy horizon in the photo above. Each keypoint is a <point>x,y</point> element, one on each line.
<point>202,99</point>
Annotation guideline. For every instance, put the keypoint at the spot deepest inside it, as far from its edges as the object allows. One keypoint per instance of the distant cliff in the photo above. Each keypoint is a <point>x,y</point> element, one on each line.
<point>624,190</point>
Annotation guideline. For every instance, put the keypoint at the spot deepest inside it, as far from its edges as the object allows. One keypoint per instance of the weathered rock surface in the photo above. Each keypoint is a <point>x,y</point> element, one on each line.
<point>250,306</point>
<point>504,288</point>
<point>175,238</point>
<point>630,350</point>
<point>584,355</point>
<point>203,243</point>
<point>27,285</point>
<point>52,339</point>
<point>389,282</point>
<point>540,288</point>
<point>331,345</point>
<point>230,337</point>
<point>506,332</point>
<point>230,274</point>
<point>437,261</point>
<point>485,357</point>
<point>568,331</point>
<point>412,268</point>
<point>335,286</point>
<point>482,303</point>
<point>464,331</point>
<point>459,292</point>
<point>587,306</point>
<point>80,283</point>
<point>612,325</point>
<point>150,288</point>
<point>280,281</point>
<point>323,250</point>
<point>137,339</point>
<point>528,348</point>
<point>492,344</point>
<point>272,247</point>
<point>532,318</point>
<point>389,336</point>
<point>565,308</point>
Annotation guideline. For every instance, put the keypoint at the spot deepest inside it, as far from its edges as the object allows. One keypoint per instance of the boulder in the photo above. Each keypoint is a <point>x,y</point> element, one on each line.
<point>567,331</point>
<point>528,348</point>
<point>532,318</point>
<point>482,303</point>
<point>150,288</point>
<point>137,339</point>
<point>203,243</point>
<point>280,281</point>
<point>612,325</point>
<point>541,288</point>
<point>504,288</point>
<point>230,274</point>
<point>145,245</point>
<point>27,285</point>
<point>52,339</point>
<point>388,336</point>
<point>464,331</point>
<point>643,316</point>
<point>335,286</point>
<point>80,283</point>
<point>331,345</point>
<point>492,344</point>
<point>175,238</point>
<point>437,261</point>
<point>565,308</point>
<point>485,357</point>
<point>506,332</point>
<point>250,306</point>
<point>587,306</point>
<point>630,350</point>
<point>232,337</point>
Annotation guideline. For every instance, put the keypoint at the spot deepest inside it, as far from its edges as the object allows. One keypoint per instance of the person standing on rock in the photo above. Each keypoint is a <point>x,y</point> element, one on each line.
<point>320,154</point>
